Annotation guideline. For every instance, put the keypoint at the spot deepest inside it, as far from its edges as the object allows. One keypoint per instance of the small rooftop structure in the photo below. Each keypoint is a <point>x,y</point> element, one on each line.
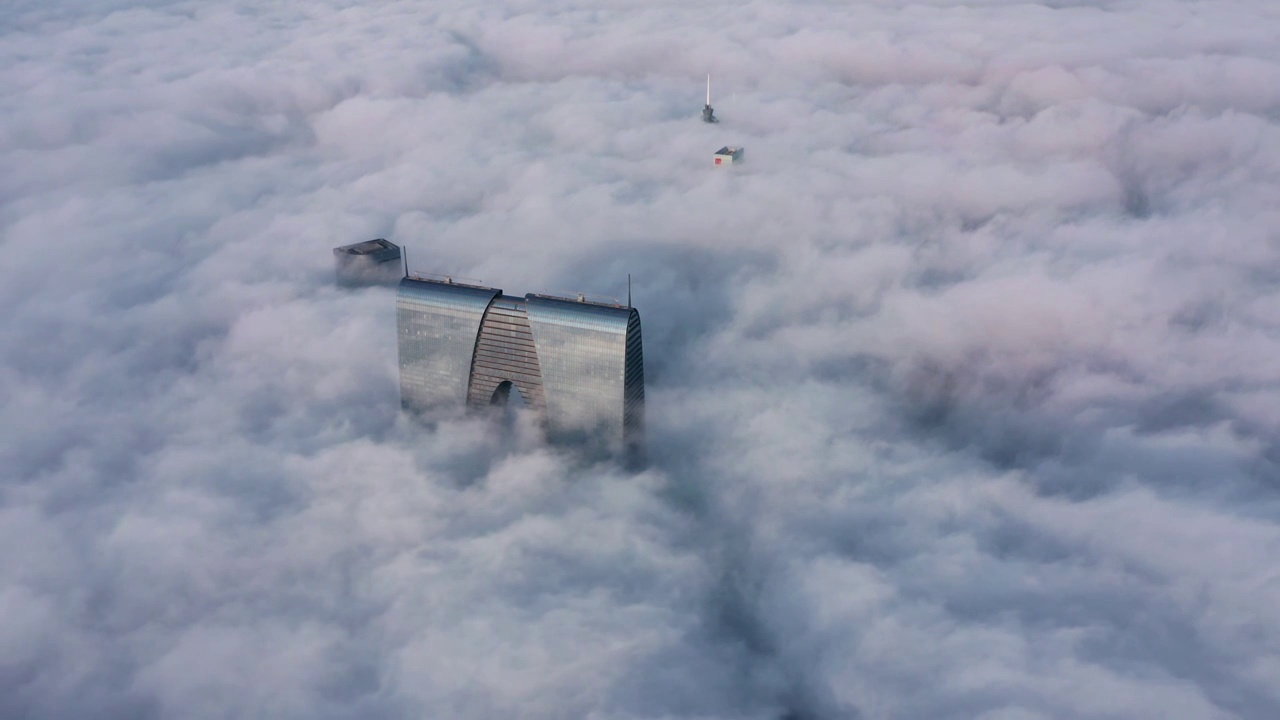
<point>372,262</point>
<point>446,279</point>
<point>728,155</point>
<point>583,298</point>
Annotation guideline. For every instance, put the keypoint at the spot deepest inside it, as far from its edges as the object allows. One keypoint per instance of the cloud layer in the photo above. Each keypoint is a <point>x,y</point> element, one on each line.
<point>961,400</point>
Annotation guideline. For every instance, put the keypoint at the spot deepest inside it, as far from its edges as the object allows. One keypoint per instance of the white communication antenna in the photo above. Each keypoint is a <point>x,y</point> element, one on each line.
<point>708,115</point>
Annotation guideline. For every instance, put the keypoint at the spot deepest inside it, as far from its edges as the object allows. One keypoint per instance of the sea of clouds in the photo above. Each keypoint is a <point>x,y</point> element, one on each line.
<point>963,392</point>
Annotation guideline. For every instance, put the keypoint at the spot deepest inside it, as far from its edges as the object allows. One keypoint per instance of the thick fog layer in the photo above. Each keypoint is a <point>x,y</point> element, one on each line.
<point>963,391</point>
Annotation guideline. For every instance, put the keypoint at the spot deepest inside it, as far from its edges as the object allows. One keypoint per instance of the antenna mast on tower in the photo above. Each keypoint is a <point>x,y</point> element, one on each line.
<point>708,115</point>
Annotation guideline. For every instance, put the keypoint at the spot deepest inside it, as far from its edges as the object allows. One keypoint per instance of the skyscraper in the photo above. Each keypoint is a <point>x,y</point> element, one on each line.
<point>578,364</point>
<point>372,262</point>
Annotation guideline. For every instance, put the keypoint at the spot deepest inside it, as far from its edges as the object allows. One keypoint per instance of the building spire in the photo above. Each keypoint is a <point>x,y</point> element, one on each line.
<point>708,115</point>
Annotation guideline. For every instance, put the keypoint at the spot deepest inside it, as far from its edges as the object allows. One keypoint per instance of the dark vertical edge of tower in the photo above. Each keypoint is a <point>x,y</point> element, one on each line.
<point>633,393</point>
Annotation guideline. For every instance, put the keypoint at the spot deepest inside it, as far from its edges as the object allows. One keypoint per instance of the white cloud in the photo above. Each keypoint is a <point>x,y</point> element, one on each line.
<point>959,395</point>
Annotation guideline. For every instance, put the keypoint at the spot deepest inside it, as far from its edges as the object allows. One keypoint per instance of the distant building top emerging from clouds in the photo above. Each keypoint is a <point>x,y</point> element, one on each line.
<point>728,155</point>
<point>367,263</point>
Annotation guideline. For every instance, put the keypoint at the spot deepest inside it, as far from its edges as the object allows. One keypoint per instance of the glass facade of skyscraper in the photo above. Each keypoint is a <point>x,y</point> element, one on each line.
<point>437,324</point>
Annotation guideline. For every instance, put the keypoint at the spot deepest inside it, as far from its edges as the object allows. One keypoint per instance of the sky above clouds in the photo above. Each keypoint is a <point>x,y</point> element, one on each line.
<point>962,399</point>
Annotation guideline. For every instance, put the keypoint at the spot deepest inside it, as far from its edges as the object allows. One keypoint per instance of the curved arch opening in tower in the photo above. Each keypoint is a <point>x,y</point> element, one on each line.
<point>514,415</point>
<point>503,397</point>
